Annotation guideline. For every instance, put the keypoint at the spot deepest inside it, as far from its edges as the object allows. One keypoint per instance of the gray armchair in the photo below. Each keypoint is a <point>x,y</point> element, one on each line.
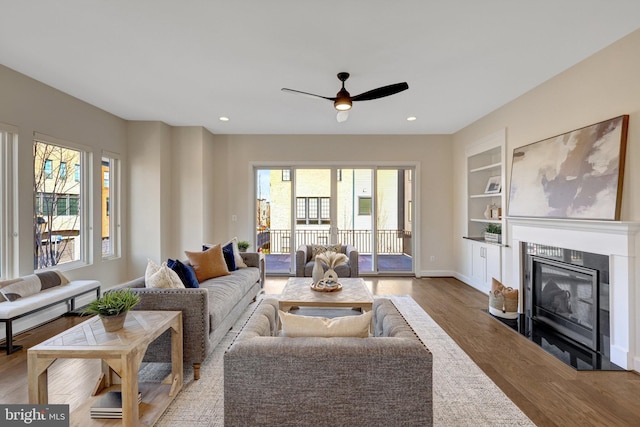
<point>305,261</point>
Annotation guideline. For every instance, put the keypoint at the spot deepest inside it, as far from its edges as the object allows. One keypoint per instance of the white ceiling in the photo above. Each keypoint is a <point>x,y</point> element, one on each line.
<point>189,62</point>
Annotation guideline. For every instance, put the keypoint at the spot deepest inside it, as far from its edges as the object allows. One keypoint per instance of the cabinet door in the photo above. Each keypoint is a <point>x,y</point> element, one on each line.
<point>493,260</point>
<point>478,264</point>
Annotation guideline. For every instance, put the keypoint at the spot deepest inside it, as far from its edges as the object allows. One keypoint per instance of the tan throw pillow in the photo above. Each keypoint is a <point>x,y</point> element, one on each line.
<point>294,325</point>
<point>161,276</point>
<point>208,264</point>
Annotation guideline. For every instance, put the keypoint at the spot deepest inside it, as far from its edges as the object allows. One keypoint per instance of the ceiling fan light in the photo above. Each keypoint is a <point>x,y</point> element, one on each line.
<point>343,100</point>
<point>342,105</point>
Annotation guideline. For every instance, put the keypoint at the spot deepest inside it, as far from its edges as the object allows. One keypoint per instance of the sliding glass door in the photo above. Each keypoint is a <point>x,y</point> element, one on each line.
<point>369,208</point>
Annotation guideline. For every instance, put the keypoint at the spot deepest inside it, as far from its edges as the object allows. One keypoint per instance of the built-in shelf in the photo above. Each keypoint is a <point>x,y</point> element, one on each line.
<point>484,195</point>
<point>486,221</point>
<point>485,161</point>
<point>496,166</point>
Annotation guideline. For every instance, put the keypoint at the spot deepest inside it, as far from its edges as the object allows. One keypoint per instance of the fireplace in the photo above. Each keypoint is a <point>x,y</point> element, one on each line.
<point>567,292</point>
<point>579,252</point>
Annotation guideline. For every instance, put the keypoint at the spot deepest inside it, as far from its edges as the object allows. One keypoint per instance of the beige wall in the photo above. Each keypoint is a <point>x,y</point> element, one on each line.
<point>31,106</point>
<point>431,154</point>
<point>601,87</point>
<point>35,107</point>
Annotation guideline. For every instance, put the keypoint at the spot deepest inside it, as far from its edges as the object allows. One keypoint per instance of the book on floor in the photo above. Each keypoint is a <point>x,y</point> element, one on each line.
<point>109,405</point>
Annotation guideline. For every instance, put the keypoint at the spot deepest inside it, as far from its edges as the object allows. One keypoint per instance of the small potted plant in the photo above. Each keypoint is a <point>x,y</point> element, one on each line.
<point>493,233</point>
<point>243,245</point>
<point>112,308</point>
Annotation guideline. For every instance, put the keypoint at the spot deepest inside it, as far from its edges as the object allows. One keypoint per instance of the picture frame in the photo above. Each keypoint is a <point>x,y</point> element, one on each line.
<point>574,175</point>
<point>494,185</point>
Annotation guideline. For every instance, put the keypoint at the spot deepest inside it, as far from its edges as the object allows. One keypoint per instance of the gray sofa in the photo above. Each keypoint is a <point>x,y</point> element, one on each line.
<point>208,312</point>
<point>385,379</point>
<point>305,261</point>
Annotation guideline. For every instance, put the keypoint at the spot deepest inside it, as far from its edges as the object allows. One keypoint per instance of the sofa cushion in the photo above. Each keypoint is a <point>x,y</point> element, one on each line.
<point>229,259</point>
<point>185,272</point>
<point>317,249</point>
<point>51,279</point>
<point>236,254</point>
<point>294,325</point>
<point>20,288</point>
<point>342,270</point>
<point>161,276</point>
<point>226,291</point>
<point>208,264</point>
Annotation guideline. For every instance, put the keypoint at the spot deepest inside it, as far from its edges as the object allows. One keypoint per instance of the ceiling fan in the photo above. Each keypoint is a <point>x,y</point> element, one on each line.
<point>343,100</point>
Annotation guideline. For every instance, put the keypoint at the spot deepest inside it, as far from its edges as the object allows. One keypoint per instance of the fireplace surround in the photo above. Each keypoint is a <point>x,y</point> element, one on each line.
<point>619,242</point>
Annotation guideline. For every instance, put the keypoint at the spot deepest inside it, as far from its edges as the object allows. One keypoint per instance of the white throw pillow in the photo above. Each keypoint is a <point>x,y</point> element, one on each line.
<point>161,276</point>
<point>236,253</point>
<point>294,325</point>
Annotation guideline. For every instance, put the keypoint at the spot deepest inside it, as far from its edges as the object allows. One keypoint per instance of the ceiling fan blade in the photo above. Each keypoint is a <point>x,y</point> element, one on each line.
<point>342,116</point>
<point>312,95</point>
<point>381,92</point>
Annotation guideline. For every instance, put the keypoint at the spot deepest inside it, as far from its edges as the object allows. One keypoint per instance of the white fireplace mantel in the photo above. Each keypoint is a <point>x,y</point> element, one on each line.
<point>620,241</point>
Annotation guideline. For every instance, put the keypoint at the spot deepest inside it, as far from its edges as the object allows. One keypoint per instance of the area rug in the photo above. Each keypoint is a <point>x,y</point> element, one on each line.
<point>462,394</point>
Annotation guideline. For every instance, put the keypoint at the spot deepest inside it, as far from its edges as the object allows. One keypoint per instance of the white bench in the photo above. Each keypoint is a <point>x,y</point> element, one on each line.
<point>21,307</point>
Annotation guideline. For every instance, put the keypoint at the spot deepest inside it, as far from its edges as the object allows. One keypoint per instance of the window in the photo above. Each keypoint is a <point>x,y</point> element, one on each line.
<point>364,205</point>
<point>339,174</point>
<point>313,210</point>
<point>59,226</point>
<point>286,174</point>
<point>109,205</point>
<point>48,169</point>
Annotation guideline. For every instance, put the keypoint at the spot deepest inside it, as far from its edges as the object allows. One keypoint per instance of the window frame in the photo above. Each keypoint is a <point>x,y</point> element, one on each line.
<point>83,171</point>
<point>112,212</point>
<point>8,200</point>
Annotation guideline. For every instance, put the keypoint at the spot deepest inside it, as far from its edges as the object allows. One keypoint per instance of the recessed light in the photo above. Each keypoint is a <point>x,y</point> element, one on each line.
<point>224,119</point>
<point>412,118</point>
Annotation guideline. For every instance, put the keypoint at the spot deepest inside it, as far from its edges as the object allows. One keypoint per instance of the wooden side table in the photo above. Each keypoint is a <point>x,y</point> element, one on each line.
<point>121,353</point>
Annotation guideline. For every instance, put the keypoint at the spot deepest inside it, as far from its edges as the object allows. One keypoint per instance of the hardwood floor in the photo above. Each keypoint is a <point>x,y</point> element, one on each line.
<point>548,391</point>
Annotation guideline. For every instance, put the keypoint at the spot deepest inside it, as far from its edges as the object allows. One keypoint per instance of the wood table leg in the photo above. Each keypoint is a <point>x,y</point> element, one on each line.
<point>38,378</point>
<point>176,356</point>
<point>129,388</point>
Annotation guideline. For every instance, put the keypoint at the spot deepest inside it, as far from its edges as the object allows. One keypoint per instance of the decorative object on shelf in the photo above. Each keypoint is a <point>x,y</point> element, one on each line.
<point>503,300</point>
<point>318,272</point>
<point>496,212</point>
<point>487,212</point>
<point>575,175</point>
<point>112,308</point>
<point>493,233</point>
<point>494,185</point>
<point>243,245</point>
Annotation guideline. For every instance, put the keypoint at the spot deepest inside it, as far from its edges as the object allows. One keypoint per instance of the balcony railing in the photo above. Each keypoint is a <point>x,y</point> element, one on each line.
<point>388,241</point>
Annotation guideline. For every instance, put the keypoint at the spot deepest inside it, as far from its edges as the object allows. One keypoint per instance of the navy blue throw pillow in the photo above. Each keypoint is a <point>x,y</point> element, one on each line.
<point>185,273</point>
<point>227,251</point>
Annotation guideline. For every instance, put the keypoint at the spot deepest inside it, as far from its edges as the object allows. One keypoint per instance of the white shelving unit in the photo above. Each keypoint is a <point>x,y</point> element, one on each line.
<point>485,161</point>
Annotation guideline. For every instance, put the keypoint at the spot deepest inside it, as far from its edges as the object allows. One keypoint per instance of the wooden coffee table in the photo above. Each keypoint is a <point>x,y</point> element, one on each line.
<point>121,353</point>
<point>298,293</point>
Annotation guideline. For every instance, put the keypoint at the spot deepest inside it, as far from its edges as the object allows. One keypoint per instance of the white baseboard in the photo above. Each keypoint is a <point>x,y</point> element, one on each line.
<point>435,273</point>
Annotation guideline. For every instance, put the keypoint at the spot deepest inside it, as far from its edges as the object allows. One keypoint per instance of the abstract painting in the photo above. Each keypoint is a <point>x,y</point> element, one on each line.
<point>576,175</point>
